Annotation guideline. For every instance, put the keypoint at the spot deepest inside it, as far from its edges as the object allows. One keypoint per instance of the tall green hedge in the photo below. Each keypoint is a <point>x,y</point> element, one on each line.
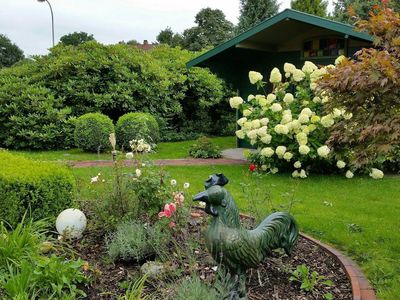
<point>39,189</point>
<point>137,126</point>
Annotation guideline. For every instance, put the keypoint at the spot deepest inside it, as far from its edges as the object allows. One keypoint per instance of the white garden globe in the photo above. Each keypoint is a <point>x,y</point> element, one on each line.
<point>71,223</point>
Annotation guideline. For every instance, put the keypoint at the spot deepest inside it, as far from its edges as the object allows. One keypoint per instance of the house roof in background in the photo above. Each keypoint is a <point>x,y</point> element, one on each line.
<point>287,14</point>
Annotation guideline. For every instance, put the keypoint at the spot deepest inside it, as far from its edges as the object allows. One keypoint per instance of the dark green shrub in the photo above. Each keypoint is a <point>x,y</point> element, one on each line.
<point>137,126</point>
<point>92,131</point>
<point>204,148</point>
<point>41,189</point>
<point>135,240</point>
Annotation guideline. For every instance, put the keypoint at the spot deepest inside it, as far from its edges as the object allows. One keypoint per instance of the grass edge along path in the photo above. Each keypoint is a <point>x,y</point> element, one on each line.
<point>357,216</point>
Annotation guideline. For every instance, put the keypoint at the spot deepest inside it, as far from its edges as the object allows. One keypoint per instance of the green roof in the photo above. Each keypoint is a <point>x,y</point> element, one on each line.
<point>287,14</point>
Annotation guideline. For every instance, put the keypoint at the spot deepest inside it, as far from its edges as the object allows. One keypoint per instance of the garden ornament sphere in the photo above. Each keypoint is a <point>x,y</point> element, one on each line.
<point>71,223</point>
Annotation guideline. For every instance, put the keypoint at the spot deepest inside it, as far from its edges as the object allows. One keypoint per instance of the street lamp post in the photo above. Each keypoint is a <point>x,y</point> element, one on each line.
<point>52,18</point>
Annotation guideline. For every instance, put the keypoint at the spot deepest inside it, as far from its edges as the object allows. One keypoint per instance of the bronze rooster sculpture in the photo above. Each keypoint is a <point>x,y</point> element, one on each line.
<point>235,247</point>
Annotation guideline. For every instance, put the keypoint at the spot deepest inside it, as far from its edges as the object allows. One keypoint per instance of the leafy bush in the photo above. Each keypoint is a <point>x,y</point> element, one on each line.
<point>31,117</point>
<point>134,240</point>
<point>194,288</point>
<point>204,148</point>
<point>92,132</point>
<point>41,189</point>
<point>309,280</point>
<point>137,126</point>
<point>371,92</point>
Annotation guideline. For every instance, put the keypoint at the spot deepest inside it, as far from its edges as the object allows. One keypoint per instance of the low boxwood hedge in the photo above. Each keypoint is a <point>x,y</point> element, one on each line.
<point>40,189</point>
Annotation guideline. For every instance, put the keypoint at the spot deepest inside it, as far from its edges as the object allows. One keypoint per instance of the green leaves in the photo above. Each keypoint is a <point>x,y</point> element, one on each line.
<point>308,281</point>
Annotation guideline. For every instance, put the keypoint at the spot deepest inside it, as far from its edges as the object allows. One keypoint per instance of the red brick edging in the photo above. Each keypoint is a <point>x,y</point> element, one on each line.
<point>362,290</point>
<point>162,162</point>
<point>360,286</point>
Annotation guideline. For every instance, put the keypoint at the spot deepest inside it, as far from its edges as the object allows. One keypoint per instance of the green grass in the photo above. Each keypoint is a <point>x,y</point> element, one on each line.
<point>167,150</point>
<point>358,216</point>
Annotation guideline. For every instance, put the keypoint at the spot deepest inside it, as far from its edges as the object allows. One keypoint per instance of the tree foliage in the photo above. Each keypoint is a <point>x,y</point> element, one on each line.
<point>212,29</point>
<point>345,10</point>
<point>9,52</point>
<point>253,12</point>
<point>369,88</point>
<point>76,38</point>
<point>168,37</point>
<point>314,7</point>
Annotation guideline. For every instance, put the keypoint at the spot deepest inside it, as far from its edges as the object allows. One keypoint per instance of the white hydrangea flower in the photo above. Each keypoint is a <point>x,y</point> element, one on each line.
<point>276,107</point>
<point>263,131</point>
<point>303,118</point>
<point>347,116</point>
<point>287,75</point>
<point>241,121</point>
<point>309,67</point>
<point>317,99</point>
<point>310,128</point>
<point>262,101</point>
<point>255,77</point>
<point>349,174</point>
<point>281,129</point>
<point>129,155</point>
<point>303,174</point>
<point>337,113</point>
<point>376,173</point>
<point>264,167</point>
<point>264,121</point>
<point>295,174</point>
<point>289,68</point>
<point>253,142</point>
<point>267,152</point>
<point>323,151</point>
<point>297,165</point>
<point>339,59</point>
<point>255,124</point>
<point>280,151</point>
<point>305,129</point>
<point>266,139</point>
<point>286,118</point>
<point>252,134</point>
<point>275,76</point>
<point>304,149</point>
<point>247,125</point>
<point>240,134</point>
<point>288,156</point>
<point>235,102</point>
<point>274,170</point>
<point>306,111</point>
<point>298,75</point>
<point>288,98</point>
<point>250,97</point>
<point>340,164</point>
<point>313,86</point>
<point>327,121</point>
<point>295,124</point>
<point>271,98</point>
<point>315,119</point>
<point>247,112</point>
<point>138,172</point>
<point>301,138</point>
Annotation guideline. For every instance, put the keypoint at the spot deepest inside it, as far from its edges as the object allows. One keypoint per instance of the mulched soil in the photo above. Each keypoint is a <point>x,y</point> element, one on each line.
<point>270,281</point>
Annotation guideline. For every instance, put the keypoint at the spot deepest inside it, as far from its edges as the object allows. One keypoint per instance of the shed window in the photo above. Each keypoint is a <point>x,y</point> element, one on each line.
<point>323,47</point>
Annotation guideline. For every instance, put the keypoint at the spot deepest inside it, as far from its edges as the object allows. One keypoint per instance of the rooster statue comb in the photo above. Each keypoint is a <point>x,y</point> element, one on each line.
<point>235,247</point>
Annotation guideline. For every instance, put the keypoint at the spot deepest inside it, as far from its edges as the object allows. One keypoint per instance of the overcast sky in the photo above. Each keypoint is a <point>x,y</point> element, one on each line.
<point>28,22</point>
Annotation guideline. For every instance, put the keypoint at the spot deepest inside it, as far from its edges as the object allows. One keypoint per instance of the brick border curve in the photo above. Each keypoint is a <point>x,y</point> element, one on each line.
<point>362,290</point>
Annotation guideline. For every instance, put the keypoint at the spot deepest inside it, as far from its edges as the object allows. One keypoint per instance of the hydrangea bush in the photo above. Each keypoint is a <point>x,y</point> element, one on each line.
<point>289,126</point>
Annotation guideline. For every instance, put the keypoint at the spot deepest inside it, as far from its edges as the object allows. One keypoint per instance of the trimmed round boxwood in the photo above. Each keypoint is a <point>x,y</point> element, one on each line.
<point>39,189</point>
<point>92,132</point>
<point>137,125</point>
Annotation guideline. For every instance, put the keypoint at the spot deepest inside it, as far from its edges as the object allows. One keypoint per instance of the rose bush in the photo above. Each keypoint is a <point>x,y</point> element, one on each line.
<point>289,126</point>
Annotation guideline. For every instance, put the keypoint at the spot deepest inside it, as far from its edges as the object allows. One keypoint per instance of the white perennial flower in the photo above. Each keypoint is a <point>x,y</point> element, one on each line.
<point>274,170</point>
<point>252,134</point>
<point>280,151</point>
<point>271,98</point>
<point>266,139</point>
<point>304,149</point>
<point>339,59</point>
<point>240,134</point>
<point>255,77</point>
<point>241,121</point>
<point>301,138</point>
<point>288,156</point>
<point>247,125</point>
<point>262,101</point>
<point>281,129</point>
<point>264,121</point>
<point>349,174</point>
<point>306,111</point>
<point>288,98</point>
<point>129,155</point>
<point>303,174</point>
<point>267,152</point>
<point>309,67</point>
<point>275,76</point>
<point>298,75</point>
<point>297,165</point>
<point>340,164</point>
<point>247,112</point>
<point>327,121</point>
<point>347,116</point>
<point>138,172</point>
<point>263,131</point>
<point>286,117</point>
<point>303,118</point>
<point>295,174</point>
<point>289,68</point>
<point>323,151</point>
<point>276,107</point>
<point>235,102</point>
<point>255,124</point>
<point>376,173</point>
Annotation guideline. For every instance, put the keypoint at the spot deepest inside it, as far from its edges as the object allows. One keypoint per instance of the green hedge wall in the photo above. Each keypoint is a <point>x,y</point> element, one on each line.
<point>41,189</point>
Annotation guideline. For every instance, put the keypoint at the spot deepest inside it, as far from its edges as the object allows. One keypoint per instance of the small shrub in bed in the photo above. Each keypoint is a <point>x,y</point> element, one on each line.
<point>194,288</point>
<point>135,241</point>
<point>136,126</point>
<point>204,148</point>
<point>92,131</point>
<point>41,189</point>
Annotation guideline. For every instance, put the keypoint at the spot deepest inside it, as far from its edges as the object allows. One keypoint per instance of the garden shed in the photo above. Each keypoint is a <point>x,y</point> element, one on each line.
<point>290,36</point>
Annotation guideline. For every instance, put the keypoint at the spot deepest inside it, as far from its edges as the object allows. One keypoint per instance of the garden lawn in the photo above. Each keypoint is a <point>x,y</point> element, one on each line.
<point>166,150</point>
<point>358,216</point>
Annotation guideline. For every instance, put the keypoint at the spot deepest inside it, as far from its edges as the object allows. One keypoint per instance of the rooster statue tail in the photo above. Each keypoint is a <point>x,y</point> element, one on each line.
<point>278,230</point>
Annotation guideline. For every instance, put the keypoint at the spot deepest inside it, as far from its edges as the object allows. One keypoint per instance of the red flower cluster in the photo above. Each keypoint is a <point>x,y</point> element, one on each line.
<point>252,167</point>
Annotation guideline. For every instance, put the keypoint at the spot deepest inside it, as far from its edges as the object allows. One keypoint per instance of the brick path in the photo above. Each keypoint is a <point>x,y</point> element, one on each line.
<point>163,162</point>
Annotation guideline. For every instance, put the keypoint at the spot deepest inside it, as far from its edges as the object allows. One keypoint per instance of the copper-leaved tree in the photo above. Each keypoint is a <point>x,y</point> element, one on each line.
<point>369,87</point>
